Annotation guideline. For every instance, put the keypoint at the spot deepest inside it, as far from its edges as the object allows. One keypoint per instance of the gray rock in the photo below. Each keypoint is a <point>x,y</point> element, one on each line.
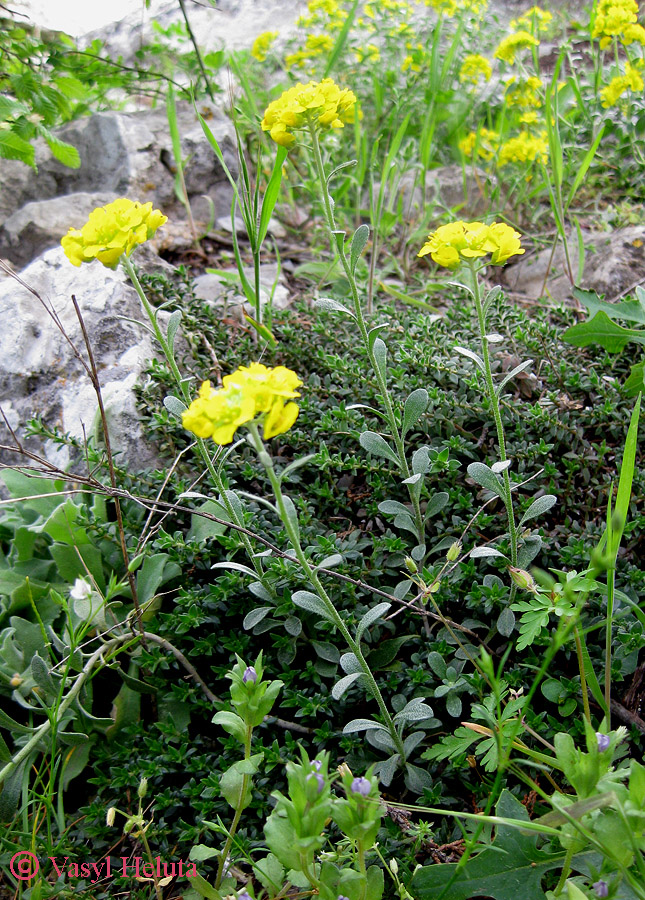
<point>39,371</point>
<point>128,155</point>
<point>41,224</point>
<point>217,291</point>
<point>613,263</point>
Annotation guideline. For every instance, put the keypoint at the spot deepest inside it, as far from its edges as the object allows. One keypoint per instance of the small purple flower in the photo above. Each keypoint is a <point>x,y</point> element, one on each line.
<point>600,887</point>
<point>316,764</point>
<point>319,779</point>
<point>249,675</point>
<point>603,744</point>
<point>361,786</point>
<point>244,896</point>
<point>342,897</point>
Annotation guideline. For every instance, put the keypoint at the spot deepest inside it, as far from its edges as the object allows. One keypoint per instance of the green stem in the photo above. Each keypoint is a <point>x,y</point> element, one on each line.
<point>566,868</point>
<point>201,445</point>
<point>608,650</point>
<point>312,577</point>
<point>338,243</point>
<point>238,811</point>
<point>494,402</point>
<point>583,677</point>
<point>144,840</point>
<point>363,870</point>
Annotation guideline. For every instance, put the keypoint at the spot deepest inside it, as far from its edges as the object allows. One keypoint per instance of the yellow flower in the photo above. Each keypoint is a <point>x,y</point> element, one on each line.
<point>452,7</point>
<point>524,93</point>
<point>524,148</point>
<point>632,33</point>
<point>483,142</point>
<point>322,105</point>
<point>318,43</point>
<point>473,68</point>
<point>247,393</point>
<point>450,244</point>
<point>613,18</point>
<point>262,45</point>
<point>632,80</point>
<point>111,231</point>
<point>370,53</point>
<point>509,46</point>
<point>534,19</point>
<point>415,58</point>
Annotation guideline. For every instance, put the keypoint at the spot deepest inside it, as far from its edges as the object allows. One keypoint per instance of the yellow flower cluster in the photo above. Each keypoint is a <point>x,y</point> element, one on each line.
<point>318,104</point>
<point>369,53</point>
<point>524,93</point>
<point>534,19</point>
<point>451,244</point>
<point>632,80</point>
<point>327,12</point>
<point>262,45</point>
<point>510,45</point>
<point>473,68</point>
<point>613,19</point>
<point>482,142</point>
<point>415,59</point>
<point>111,231</point>
<point>249,392</point>
<point>524,148</point>
<point>452,7</point>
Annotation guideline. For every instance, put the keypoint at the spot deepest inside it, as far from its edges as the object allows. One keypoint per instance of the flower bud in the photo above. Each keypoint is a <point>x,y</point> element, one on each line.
<point>522,579</point>
<point>410,565</point>
<point>361,786</point>
<point>111,813</point>
<point>319,778</point>
<point>250,675</point>
<point>142,790</point>
<point>604,742</point>
<point>316,764</point>
<point>343,769</point>
<point>601,888</point>
<point>16,680</point>
<point>454,552</point>
<point>394,867</point>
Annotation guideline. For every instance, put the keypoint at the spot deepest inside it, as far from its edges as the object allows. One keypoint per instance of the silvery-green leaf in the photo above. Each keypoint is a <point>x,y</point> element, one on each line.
<point>393,507</point>
<point>405,522</point>
<point>329,562</point>
<point>173,325</point>
<point>328,652</point>
<point>292,515</point>
<point>293,626</point>
<point>479,362</point>
<point>238,567</point>
<point>412,741</point>
<point>258,590</point>
<point>174,405</point>
<point>382,740</point>
<point>335,305</point>
<point>346,682</point>
<point>349,663</point>
<point>312,603</point>
<point>379,351</point>
<point>416,779</point>
<point>252,618</point>
<point>413,479</point>
<point>421,461</point>
<point>363,725</point>
<point>481,552</point>
<point>414,711</point>
<point>512,374</point>
<point>436,503</point>
<point>415,406</point>
<point>501,466</point>
<point>361,236</point>
<point>40,674</point>
<point>494,338</point>
<point>375,444</point>
<point>538,507</point>
<point>506,622</point>
<point>373,333</point>
<point>484,476</point>
<point>370,617</point>
<point>296,464</point>
<point>417,553</point>
<point>387,769</point>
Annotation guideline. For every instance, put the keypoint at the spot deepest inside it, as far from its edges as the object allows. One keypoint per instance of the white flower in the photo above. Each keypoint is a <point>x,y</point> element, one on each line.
<point>82,590</point>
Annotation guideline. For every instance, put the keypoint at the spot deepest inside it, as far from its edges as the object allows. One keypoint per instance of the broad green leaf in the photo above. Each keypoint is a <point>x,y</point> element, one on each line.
<point>393,507</point>
<point>602,330</point>
<point>14,147</point>
<point>65,153</point>
<point>635,384</point>
<point>271,194</point>
<point>629,310</point>
<point>513,867</point>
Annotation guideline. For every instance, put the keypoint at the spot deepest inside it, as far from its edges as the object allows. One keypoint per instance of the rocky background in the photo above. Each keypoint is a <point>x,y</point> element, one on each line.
<point>125,154</point>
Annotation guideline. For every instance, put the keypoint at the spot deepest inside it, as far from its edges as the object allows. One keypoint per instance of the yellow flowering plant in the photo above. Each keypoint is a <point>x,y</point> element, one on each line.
<point>466,245</point>
<point>315,105</point>
<point>509,46</point>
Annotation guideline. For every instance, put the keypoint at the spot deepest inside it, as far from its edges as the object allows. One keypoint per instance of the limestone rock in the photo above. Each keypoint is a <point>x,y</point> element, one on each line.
<point>219,292</point>
<point>128,155</point>
<point>39,372</point>
<point>613,262</point>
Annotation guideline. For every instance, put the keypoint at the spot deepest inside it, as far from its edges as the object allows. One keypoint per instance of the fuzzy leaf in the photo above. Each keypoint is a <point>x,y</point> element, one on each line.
<point>361,237</point>
<point>538,508</point>
<point>344,684</point>
<point>415,406</point>
<point>376,445</point>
